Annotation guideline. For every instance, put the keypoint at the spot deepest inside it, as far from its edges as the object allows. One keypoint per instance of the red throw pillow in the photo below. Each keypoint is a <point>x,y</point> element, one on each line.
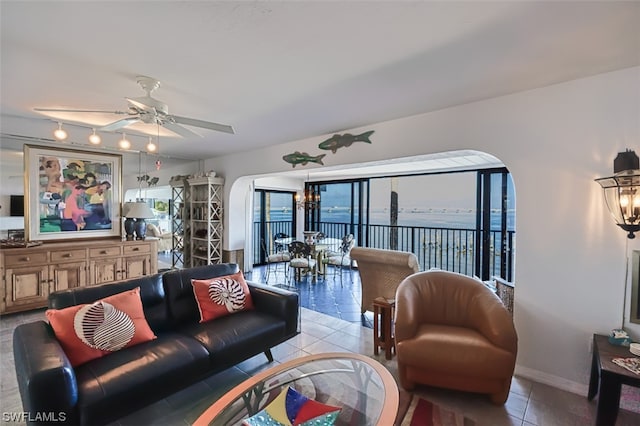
<point>220,296</point>
<point>94,330</point>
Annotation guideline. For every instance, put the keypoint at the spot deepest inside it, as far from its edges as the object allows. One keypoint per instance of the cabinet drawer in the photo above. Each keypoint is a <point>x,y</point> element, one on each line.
<point>25,259</point>
<point>136,249</point>
<point>105,251</point>
<point>61,256</point>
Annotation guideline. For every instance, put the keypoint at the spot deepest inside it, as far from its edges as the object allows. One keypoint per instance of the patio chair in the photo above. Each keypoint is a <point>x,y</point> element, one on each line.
<point>338,252</point>
<point>279,247</point>
<point>273,260</point>
<point>301,259</point>
<point>342,259</point>
<point>381,272</point>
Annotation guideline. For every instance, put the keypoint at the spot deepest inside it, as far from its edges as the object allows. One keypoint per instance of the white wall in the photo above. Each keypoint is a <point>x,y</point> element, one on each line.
<point>570,256</point>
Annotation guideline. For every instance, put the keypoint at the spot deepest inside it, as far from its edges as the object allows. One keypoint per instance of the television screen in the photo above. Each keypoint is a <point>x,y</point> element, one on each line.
<point>17,205</point>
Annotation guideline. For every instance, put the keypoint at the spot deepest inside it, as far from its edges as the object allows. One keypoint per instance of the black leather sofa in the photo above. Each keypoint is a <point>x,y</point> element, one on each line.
<point>184,352</point>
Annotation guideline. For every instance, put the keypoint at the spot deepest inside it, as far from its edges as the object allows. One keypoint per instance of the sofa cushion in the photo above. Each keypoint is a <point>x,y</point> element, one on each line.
<point>91,331</point>
<point>151,293</point>
<point>247,333</point>
<point>144,373</point>
<point>181,302</point>
<point>220,296</point>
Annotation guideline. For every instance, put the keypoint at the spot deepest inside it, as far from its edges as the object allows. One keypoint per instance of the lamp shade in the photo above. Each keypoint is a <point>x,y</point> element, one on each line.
<point>138,210</point>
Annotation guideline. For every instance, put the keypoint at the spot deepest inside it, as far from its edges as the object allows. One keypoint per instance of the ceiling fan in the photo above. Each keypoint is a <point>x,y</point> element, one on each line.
<point>149,110</point>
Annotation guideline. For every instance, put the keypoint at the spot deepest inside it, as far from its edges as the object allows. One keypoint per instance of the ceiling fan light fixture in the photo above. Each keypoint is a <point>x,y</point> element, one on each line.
<point>124,143</point>
<point>60,134</point>
<point>151,147</point>
<point>95,138</point>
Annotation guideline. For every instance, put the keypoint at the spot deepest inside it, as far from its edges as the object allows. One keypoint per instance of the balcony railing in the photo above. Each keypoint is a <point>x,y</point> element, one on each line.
<point>450,249</point>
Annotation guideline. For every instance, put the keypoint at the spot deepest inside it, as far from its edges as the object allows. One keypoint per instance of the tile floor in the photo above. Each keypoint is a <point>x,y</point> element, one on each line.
<point>339,329</point>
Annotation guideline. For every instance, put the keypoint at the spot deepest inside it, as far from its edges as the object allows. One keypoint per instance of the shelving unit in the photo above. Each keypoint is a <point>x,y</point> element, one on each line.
<point>179,223</point>
<point>205,220</point>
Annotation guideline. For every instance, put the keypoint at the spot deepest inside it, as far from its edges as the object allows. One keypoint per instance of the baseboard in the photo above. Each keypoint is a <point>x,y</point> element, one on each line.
<point>551,380</point>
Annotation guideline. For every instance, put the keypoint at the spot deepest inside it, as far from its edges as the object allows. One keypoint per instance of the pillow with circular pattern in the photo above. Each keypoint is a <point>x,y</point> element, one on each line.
<point>91,331</point>
<point>220,296</point>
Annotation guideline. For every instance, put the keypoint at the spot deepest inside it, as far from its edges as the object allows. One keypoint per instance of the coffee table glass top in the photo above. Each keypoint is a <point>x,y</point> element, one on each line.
<point>361,386</point>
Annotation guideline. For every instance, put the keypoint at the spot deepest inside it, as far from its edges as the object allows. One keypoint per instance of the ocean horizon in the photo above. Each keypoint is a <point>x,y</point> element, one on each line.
<point>430,218</point>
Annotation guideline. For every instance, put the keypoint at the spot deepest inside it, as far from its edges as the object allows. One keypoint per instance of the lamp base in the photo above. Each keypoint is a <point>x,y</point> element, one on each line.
<point>141,229</point>
<point>129,228</point>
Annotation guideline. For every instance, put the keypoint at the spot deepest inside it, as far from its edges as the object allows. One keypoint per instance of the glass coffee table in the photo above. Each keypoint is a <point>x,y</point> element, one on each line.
<point>361,386</point>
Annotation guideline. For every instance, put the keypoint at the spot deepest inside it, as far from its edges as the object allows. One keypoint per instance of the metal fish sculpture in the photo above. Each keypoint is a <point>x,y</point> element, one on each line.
<point>302,158</point>
<point>336,141</point>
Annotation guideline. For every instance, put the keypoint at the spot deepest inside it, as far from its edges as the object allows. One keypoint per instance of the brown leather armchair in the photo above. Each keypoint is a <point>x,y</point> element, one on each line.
<point>381,272</point>
<point>453,332</point>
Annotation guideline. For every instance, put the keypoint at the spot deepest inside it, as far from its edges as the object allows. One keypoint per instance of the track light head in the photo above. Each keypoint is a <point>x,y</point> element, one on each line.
<point>94,138</point>
<point>59,133</point>
<point>124,143</point>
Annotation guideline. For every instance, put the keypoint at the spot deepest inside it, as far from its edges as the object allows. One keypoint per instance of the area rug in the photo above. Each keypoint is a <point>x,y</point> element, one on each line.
<point>422,412</point>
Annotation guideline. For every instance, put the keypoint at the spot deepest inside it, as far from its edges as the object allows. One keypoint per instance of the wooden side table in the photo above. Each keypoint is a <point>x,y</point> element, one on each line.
<point>383,310</point>
<point>607,378</point>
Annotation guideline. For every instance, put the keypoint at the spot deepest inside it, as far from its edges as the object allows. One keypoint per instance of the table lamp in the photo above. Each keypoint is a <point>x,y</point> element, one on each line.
<point>138,211</point>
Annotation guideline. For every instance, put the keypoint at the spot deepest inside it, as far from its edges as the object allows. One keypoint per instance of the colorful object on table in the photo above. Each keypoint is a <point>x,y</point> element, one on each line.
<point>291,408</point>
<point>422,412</point>
<point>336,141</point>
<point>302,158</point>
<point>619,337</point>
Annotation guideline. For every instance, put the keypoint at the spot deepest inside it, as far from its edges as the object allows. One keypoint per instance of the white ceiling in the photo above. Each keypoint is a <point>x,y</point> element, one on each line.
<point>283,71</point>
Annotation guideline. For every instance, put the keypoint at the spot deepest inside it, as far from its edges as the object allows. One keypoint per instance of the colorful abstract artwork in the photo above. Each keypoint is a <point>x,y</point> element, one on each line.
<point>292,408</point>
<point>71,194</point>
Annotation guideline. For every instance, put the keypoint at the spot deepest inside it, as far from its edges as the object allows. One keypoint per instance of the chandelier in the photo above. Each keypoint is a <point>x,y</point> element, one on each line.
<point>311,198</point>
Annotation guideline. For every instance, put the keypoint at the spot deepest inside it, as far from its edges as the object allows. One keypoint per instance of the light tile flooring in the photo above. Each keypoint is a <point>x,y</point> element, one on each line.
<point>529,403</point>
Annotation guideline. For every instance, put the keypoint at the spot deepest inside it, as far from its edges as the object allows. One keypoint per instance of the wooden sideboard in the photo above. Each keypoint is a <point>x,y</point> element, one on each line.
<point>30,274</point>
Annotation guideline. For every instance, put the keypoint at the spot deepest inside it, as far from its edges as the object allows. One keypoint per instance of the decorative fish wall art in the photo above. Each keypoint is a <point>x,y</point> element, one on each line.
<point>332,144</point>
<point>302,158</point>
<point>336,141</point>
<point>149,180</point>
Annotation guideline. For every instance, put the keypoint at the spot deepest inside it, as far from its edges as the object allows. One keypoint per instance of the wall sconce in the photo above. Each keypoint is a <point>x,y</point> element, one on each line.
<point>60,134</point>
<point>622,192</point>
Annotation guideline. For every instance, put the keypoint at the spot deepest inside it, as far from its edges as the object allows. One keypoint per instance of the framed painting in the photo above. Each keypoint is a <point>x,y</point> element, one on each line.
<point>71,194</point>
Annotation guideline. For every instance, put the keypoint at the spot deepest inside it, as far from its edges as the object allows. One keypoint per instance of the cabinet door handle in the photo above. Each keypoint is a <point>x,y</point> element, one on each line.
<point>26,259</point>
<point>136,248</point>
<point>67,255</point>
<point>103,252</point>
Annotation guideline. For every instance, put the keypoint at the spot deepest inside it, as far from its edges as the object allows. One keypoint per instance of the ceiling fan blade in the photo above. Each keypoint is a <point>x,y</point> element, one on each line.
<point>119,124</point>
<point>204,124</point>
<point>77,110</point>
<point>140,104</point>
<point>182,131</point>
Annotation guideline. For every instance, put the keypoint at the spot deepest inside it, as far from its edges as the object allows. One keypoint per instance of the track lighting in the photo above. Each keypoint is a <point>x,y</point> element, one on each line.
<point>124,143</point>
<point>94,138</point>
<point>151,147</point>
<point>59,133</point>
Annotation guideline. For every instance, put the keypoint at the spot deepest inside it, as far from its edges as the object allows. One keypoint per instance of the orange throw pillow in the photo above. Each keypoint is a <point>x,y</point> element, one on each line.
<point>94,330</point>
<point>220,296</point>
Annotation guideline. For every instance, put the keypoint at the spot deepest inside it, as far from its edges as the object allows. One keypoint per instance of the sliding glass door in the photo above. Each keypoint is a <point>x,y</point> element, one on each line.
<point>274,214</point>
<point>456,221</point>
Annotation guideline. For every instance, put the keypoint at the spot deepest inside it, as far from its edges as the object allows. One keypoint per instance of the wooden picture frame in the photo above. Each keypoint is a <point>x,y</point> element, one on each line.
<point>71,194</point>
